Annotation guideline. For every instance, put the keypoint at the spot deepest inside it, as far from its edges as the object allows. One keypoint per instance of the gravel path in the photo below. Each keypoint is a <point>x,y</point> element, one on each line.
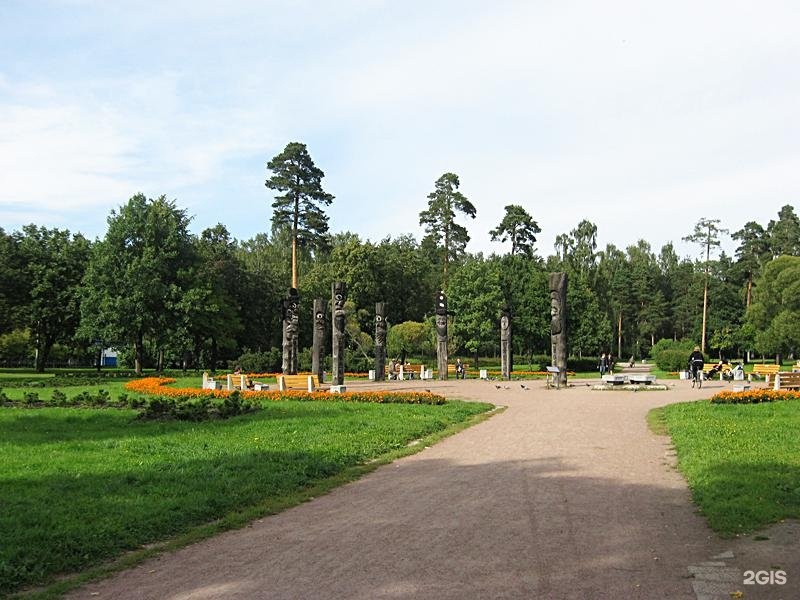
<point>565,494</point>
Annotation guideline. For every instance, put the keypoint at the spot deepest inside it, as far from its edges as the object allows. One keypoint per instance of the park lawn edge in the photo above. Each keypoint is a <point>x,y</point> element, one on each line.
<point>241,518</point>
<point>657,423</point>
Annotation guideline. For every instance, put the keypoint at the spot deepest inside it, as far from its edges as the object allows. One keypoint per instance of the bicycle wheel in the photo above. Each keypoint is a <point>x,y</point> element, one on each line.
<point>699,379</point>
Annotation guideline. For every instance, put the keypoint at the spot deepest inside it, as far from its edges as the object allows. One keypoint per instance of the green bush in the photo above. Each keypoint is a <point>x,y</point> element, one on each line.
<point>670,355</point>
<point>195,408</point>
<point>260,362</point>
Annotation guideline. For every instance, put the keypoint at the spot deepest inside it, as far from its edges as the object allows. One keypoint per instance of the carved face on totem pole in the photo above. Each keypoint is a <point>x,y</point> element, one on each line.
<point>339,298</point>
<point>291,306</point>
<point>555,312</point>
<point>505,325</point>
<point>319,320</point>
<point>380,330</point>
<point>441,314</point>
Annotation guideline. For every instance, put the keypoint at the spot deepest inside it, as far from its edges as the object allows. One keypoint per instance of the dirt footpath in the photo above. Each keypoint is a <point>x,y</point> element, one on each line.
<point>566,494</point>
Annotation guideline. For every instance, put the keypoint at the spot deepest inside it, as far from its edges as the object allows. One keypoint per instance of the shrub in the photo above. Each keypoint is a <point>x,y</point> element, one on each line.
<point>196,408</point>
<point>260,362</point>
<point>582,364</point>
<point>58,398</point>
<point>670,355</point>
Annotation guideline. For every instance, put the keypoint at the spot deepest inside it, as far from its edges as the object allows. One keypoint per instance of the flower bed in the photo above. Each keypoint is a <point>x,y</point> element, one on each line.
<point>159,386</point>
<point>754,396</point>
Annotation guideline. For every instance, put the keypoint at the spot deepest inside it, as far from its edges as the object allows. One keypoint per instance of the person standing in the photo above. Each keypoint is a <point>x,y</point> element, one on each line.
<point>603,365</point>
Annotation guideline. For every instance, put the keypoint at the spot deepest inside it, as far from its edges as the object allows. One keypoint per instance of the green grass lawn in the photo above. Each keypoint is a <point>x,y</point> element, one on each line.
<point>115,387</point>
<point>79,487</point>
<point>742,461</point>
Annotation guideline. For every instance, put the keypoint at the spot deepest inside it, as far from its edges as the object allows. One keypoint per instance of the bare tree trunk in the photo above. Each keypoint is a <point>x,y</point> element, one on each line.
<point>705,313</point>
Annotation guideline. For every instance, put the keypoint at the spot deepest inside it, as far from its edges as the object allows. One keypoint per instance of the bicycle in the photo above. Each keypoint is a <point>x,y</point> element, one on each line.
<point>697,374</point>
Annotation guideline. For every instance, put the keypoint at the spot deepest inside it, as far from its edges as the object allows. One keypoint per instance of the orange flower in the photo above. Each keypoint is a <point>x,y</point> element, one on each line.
<point>157,386</point>
<point>755,396</point>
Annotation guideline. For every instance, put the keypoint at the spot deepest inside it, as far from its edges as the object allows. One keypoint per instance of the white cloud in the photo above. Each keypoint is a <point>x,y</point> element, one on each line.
<point>629,114</point>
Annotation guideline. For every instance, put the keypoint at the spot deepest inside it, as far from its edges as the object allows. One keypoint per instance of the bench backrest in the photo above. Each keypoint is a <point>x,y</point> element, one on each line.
<point>308,383</point>
<point>237,381</point>
<point>766,369</point>
<point>787,380</point>
<point>708,366</point>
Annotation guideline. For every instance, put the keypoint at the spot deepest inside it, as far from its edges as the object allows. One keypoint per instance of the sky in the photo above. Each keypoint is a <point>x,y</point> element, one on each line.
<point>642,117</point>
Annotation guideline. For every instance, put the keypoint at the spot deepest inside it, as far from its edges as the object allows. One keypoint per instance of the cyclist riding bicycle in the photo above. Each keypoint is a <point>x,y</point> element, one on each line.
<point>696,360</point>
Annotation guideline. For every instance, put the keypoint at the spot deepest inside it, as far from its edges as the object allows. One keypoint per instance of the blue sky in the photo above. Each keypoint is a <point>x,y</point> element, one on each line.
<point>639,116</point>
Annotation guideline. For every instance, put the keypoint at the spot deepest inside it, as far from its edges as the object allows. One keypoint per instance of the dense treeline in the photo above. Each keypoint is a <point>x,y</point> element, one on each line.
<point>165,297</point>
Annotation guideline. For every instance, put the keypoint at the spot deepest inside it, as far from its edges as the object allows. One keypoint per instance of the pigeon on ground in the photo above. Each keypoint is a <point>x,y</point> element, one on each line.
<point>497,386</point>
<point>524,387</point>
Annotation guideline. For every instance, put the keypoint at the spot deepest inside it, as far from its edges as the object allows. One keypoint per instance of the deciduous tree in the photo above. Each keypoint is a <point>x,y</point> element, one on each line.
<point>55,264</point>
<point>137,275</point>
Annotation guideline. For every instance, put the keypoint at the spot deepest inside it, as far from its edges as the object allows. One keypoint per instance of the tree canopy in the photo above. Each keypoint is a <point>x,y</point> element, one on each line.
<point>519,228</point>
<point>439,219</point>
<point>298,207</point>
<point>137,277</point>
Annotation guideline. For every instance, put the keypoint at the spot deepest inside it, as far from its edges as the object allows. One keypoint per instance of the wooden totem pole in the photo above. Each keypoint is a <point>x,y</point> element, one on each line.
<point>441,335</point>
<point>318,340</point>
<point>338,297</point>
<point>291,323</point>
<point>558,324</point>
<point>506,365</point>
<point>380,341</point>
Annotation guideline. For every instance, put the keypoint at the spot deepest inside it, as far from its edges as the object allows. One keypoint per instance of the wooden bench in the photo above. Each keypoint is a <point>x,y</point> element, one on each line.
<point>451,369</point>
<point>209,383</point>
<point>307,383</point>
<point>238,381</point>
<point>408,372</point>
<point>724,368</point>
<point>787,380</point>
<point>765,371</point>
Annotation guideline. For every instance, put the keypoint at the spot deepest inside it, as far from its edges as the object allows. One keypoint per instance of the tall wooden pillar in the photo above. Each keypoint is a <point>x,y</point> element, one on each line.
<point>380,341</point>
<point>318,339</point>
<point>441,335</point>
<point>291,325</point>
<point>558,324</point>
<point>506,366</point>
<point>338,298</point>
